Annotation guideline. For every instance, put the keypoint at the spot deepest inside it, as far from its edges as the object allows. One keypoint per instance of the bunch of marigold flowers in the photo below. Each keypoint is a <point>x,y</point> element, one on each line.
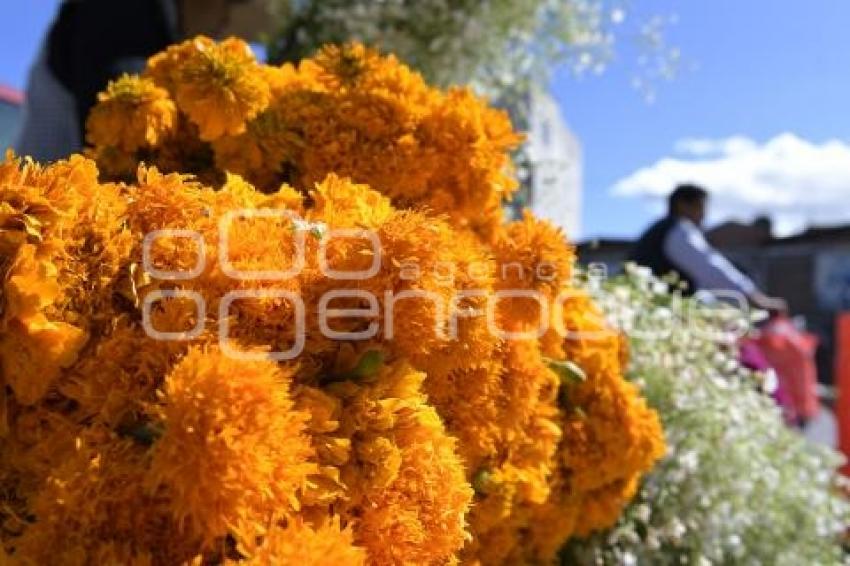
<point>299,332</point>
<point>208,108</point>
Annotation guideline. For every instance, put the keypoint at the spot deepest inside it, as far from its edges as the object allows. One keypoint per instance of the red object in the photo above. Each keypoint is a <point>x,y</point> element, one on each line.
<point>751,357</point>
<point>791,353</point>
<point>11,96</point>
<point>842,383</point>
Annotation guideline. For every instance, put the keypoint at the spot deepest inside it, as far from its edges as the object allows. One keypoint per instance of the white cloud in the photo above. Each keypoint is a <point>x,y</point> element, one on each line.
<point>706,147</point>
<point>796,182</point>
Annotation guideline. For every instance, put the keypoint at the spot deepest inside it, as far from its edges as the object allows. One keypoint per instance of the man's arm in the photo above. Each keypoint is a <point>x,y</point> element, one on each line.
<point>686,247</point>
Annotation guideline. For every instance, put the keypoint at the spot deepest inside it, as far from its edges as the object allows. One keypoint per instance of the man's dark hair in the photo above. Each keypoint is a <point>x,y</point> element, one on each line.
<point>685,194</point>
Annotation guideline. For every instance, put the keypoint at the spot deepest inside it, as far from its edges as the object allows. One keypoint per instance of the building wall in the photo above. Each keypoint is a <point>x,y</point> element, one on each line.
<point>832,278</point>
<point>554,155</point>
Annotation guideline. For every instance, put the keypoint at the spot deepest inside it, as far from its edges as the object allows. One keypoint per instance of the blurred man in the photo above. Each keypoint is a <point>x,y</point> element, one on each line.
<point>676,244</point>
<point>93,41</point>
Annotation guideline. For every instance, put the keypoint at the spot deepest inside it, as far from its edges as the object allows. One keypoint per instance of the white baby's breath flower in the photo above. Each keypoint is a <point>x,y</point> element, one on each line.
<point>736,485</point>
<point>315,229</point>
<point>659,287</point>
<point>642,273</point>
<point>643,512</point>
<point>771,382</point>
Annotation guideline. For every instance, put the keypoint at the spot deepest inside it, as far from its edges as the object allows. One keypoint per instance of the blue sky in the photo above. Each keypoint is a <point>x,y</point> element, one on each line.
<point>754,70</point>
<point>21,29</point>
<point>761,68</point>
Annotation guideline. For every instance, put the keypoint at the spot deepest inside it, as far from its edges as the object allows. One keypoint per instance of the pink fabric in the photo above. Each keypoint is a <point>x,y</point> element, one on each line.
<point>791,353</point>
<point>753,358</point>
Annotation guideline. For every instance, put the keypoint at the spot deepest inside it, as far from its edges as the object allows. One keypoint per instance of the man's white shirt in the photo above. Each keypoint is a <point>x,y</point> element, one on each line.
<point>687,248</point>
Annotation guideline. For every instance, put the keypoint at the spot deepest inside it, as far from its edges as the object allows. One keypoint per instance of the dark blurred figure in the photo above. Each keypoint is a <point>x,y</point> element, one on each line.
<point>91,42</point>
<point>676,244</point>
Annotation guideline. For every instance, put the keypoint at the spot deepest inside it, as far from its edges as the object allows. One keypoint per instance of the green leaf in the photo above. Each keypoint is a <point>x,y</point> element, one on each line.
<point>142,433</point>
<point>369,364</point>
<point>568,371</point>
<point>481,481</point>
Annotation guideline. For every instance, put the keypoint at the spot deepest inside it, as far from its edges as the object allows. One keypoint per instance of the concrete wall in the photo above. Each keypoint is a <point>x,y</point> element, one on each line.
<point>555,160</point>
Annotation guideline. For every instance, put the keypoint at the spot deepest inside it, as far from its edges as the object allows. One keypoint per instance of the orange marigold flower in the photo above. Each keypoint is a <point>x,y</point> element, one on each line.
<point>407,494</point>
<point>220,87</point>
<point>113,384</point>
<point>533,254</point>
<point>164,67</point>
<point>32,356</point>
<point>34,349</point>
<point>233,454</point>
<point>333,449</point>
<point>343,204</point>
<point>420,268</point>
<point>95,503</point>
<point>74,226</point>
<point>132,113</point>
<point>31,285</point>
<point>517,412</point>
<point>300,544</point>
<point>113,162</point>
<point>611,437</point>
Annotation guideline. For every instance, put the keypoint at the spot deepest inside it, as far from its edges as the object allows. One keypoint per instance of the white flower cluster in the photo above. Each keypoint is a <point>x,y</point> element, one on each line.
<point>737,486</point>
<point>502,47</point>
